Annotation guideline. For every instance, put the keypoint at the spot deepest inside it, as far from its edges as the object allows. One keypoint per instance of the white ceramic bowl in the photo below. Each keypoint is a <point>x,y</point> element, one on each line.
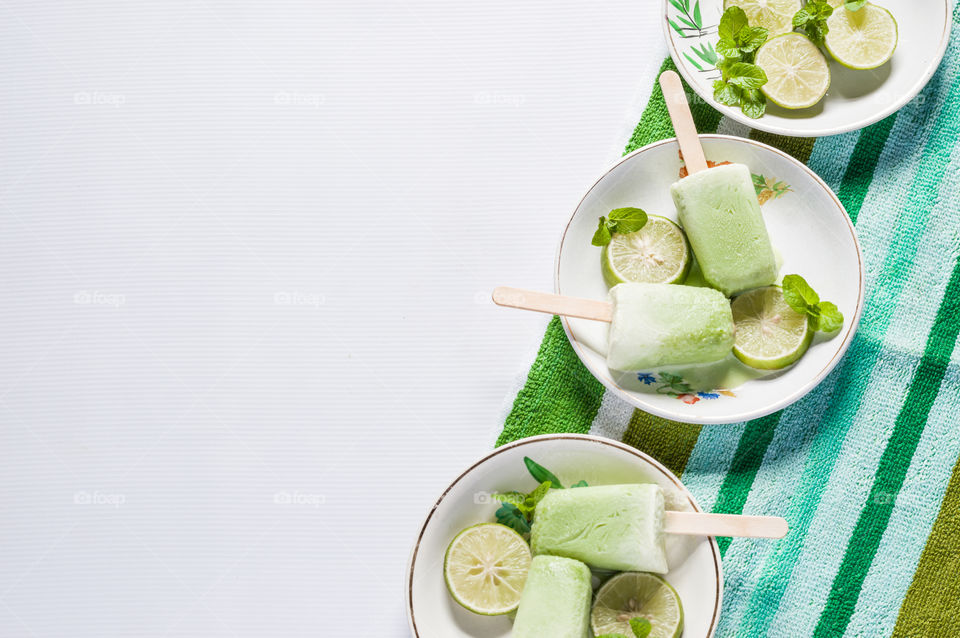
<point>807,225</point>
<point>694,562</point>
<point>856,98</point>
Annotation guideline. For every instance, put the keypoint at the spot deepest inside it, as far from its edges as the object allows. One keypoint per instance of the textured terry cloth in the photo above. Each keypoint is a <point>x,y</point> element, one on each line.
<point>865,468</point>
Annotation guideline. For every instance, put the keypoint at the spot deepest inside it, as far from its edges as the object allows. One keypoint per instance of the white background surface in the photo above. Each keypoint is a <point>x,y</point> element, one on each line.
<point>245,255</point>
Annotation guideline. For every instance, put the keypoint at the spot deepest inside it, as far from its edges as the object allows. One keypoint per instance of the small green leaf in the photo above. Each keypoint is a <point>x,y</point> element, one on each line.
<point>641,627</point>
<point>512,517</point>
<point>728,49</point>
<point>731,22</point>
<point>855,5</point>
<point>747,76</point>
<point>831,319</point>
<point>696,15</point>
<point>628,220</point>
<point>532,499</point>
<point>580,483</point>
<point>602,235</point>
<point>798,294</point>
<point>753,103</point>
<point>751,38</point>
<point>726,93</point>
<point>541,474</point>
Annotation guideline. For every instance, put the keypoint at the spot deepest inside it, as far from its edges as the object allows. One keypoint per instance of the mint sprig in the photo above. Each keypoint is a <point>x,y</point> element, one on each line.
<point>824,316</point>
<point>741,79</point>
<point>619,220</point>
<point>812,20</point>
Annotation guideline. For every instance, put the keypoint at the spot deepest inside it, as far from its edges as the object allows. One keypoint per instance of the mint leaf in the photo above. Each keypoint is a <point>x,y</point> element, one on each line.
<point>747,76</point>
<point>855,5</point>
<point>541,474</point>
<point>602,236</point>
<point>728,49</point>
<point>731,22</point>
<point>641,627</point>
<point>831,319</point>
<point>751,38</point>
<point>798,294</point>
<point>824,316</point>
<point>620,220</point>
<point>753,103</point>
<point>580,483</point>
<point>726,93</point>
<point>532,499</point>
<point>628,220</point>
<point>512,517</point>
<point>812,20</point>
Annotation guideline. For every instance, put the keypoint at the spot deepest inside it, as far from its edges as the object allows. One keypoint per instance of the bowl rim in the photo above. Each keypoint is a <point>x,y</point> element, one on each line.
<point>673,478</point>
<point>759,124</point>
<point>608,381</point>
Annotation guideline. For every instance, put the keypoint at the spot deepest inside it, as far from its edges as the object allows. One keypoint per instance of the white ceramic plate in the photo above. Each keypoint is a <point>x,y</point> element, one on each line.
<point>855,99</point>
<point>694,562</point>
<point>808,227</point>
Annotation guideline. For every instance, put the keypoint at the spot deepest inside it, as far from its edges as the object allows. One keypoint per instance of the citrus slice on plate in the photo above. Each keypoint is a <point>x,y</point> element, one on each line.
<point>770,335</point>
<point>485,568</point>
<point>776,16</point>
<point>863,39</point>
<point>658,253</point>
<point>637,595</point>
<point>797,73</point>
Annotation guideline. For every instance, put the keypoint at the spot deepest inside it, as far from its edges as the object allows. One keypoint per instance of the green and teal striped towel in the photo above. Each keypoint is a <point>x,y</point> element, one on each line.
<point>865,467</point>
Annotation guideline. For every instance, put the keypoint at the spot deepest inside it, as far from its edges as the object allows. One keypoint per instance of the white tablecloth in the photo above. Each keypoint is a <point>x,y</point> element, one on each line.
<point>246,250</point>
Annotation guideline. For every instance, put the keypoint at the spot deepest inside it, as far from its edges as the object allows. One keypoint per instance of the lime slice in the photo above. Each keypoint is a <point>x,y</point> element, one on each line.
<point>797,73</point>
<point>658,253</point>
<point>769,333</point>
<point>637,595</point>
<point>485,568</point>
<point>776,16</point>
<point>863,39</point>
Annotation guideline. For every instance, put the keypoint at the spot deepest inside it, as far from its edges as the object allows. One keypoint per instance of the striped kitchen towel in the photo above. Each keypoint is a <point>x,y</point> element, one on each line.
<point>865,467</point>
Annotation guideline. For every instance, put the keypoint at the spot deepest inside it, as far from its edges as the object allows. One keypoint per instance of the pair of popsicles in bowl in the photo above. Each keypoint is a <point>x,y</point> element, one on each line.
<point>654,325</point>
<point>610,527</point>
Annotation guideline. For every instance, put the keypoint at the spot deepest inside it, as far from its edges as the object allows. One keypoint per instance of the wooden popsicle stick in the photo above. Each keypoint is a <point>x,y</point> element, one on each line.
<point>699,524</point>
<point>682,120</point>
<point>553,304</point>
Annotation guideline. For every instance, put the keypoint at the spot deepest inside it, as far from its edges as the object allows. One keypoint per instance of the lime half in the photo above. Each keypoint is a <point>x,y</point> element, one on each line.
<point>776,16</point>
<point>658,253</point>
<point>769,333</point>
<point>485,568</point>
<point>863,39</point>
<point>637,595</point>
<point>797,73</point>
